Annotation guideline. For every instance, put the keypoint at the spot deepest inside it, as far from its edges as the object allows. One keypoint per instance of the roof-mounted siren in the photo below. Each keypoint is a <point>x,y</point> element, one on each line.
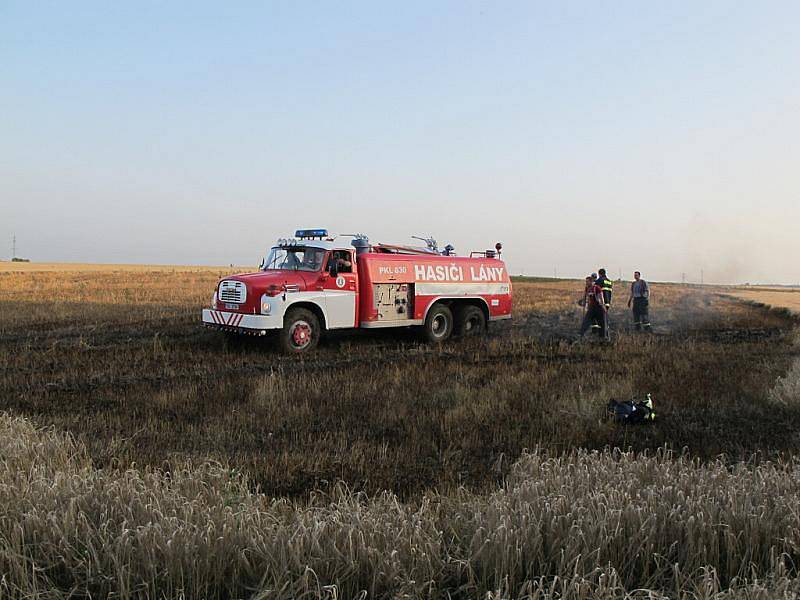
<point>449,250</point>
<point>499,248</point>
<point>311,234</point>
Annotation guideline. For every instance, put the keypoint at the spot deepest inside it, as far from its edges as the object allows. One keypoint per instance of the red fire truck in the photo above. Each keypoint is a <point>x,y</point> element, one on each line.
<point>316,282</point>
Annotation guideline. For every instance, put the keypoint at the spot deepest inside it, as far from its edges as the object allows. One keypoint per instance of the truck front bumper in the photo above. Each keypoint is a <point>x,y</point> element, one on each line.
<point>240,323</point>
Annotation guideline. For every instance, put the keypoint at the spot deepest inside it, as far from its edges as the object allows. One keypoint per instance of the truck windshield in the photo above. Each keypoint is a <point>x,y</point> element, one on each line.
<point>295,258</point>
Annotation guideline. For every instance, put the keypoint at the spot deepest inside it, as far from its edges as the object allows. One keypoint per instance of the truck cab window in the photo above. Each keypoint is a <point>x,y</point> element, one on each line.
<point>342,260</point>
<point>295,258</point>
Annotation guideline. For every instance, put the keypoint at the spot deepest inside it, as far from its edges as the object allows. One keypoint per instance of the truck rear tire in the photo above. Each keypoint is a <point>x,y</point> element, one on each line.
<point>438,324</point>
<point>301,331</point>
<point>469,321</point>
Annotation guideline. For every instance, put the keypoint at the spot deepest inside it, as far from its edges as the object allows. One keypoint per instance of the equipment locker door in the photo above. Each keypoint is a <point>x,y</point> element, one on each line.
<point>340,289</point>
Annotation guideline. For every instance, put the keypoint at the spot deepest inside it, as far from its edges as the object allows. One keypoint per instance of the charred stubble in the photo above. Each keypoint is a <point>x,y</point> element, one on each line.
<point>119,360</point>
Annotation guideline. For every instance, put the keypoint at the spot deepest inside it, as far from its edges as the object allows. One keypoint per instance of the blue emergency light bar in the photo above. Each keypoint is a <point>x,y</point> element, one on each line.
<point>311,233</point>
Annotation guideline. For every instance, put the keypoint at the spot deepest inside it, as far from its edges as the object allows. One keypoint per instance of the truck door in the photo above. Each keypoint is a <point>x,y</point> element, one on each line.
<point>340,288</point>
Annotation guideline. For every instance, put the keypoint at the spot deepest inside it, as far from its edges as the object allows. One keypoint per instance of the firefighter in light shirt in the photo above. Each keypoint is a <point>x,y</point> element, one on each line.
<point>640,299</point>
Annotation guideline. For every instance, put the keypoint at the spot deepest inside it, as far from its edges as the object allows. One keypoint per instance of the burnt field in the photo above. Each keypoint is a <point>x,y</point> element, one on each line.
<point>118,359</point>
<point>177,464</point>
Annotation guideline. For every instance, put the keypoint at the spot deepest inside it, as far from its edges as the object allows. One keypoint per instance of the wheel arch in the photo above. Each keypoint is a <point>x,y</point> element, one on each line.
<point>315,308</point>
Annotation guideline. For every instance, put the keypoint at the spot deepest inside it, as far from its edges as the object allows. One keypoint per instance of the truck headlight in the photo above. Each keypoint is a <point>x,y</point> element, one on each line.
<point>266,307</point>
<point>214,300</point>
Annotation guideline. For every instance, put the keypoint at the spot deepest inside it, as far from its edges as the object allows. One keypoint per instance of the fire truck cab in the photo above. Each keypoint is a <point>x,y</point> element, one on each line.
<point>315,282</point>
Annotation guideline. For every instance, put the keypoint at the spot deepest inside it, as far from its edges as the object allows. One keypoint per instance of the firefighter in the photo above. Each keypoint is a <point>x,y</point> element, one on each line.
<point>607,286</point>
<point>595,326</point>
<point>640,299</point>
<point>312,260</point>
<point>342,261</point>
<point>595,310</point>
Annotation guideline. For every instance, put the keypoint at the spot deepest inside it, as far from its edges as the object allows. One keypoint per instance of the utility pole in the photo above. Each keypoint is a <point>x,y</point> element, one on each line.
<point>683,278</point>
<point>555,273</point>
<point>14,246</point>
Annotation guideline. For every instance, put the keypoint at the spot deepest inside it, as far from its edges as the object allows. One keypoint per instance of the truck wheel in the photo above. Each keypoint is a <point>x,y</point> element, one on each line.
<point>300,333</point>
<point>470,321</point>
<point>438,324</point>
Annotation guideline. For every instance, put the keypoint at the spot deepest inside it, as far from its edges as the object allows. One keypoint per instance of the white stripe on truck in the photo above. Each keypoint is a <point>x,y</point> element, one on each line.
<point>461,289</point>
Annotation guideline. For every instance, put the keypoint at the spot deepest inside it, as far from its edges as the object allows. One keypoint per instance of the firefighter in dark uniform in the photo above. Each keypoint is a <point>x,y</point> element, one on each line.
<point>595,315</point>
<point>606,285</point>
<point>341,258</point>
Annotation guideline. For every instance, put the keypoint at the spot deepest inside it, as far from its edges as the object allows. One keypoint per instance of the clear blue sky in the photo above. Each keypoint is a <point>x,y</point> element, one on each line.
<point>658,136</point>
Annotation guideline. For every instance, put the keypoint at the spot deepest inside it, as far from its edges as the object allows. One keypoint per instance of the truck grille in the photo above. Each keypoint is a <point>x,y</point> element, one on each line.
<point>232,291</point>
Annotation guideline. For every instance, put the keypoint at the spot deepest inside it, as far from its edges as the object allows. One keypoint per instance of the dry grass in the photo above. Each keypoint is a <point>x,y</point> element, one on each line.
<point>779,298</point>
<point>62,268</point>
<point>585,525</point>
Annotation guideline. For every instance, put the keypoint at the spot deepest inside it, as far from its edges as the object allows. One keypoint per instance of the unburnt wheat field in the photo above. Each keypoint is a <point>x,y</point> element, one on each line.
<point>144,456</point>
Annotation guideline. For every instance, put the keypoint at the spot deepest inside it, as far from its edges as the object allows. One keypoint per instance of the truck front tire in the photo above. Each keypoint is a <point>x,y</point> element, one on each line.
<point>301,331</point>
<point>438,324</point>
<point>470,321</point>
